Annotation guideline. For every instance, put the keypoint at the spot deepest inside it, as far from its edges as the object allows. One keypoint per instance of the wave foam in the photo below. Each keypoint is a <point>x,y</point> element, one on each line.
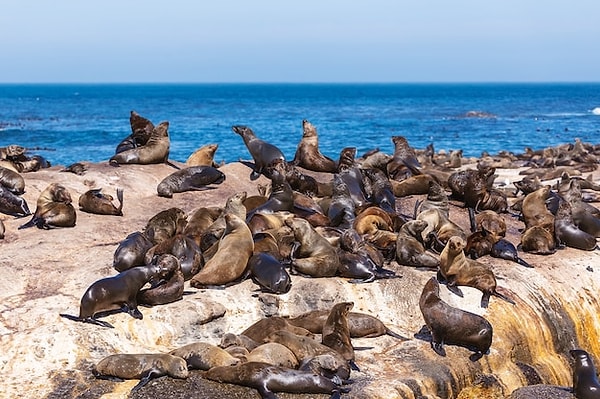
<point>596,111</point>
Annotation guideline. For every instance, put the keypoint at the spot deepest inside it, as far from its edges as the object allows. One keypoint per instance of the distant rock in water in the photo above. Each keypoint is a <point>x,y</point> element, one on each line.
<point>478,114</point>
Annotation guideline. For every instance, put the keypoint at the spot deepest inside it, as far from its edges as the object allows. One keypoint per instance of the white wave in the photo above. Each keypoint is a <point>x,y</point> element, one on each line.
<point>596,111</point>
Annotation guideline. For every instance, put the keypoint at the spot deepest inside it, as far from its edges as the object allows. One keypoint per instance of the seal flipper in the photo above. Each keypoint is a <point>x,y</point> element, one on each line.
<point>522,262</point>
<point>146,377</point>
<point>90,320</point>
<point>438,347</point>
<point>395,335</point>
<point>504,297</point>
<point>120,199</point>
<point>266,393</point>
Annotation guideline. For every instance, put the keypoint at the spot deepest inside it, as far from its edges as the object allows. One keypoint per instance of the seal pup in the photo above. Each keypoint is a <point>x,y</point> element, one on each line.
<point>131,251</point>
<point>504,249</point>
<point>223,268</point>
<point>11,204</point>
<point>410,248</point>
<point>450,325</point>
<point>567,233</point>
<point>191,178</point>
<point>312,254</point>
<point>165,224</point>
<point>170,290</point>
<point>184,249</point>
<point>156,149</point>
<point>54,209</point>
<point>262,153</point>
<point>204,356</point>
<point>267,379</point>
<point>336,332</point>
<point>203,156</point>
<point>585,379</point>
<point>94,201</point>
<point>117,292</point>
<point>456,269</point>
<point>144,367</point>
<point>308,155</point>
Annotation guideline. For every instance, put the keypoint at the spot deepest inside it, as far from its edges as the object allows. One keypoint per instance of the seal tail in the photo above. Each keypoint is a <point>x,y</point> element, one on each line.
<point>120,199</point>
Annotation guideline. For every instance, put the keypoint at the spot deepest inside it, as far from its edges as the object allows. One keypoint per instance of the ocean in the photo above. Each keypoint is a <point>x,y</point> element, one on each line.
<point>68,123</point>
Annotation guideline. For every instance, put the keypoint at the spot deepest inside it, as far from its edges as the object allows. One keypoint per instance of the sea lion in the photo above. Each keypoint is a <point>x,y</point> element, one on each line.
<point>539,240</point>
<point>223,268</point>
<point>240,340</point>
<point>11,180</point>
<point>404,158</point>
<point>269,273</point>
<point>280,199</point>
<point>156,149</point>
<point>489,221</point>
<point>341,209</point>
<point>203,156</point>
<point>380,190</point>
<point>184,249</point>
<point>357,261</point>
<point>12,204</point>
<point>351,174</point>
<point>141,130</point>
<point>191,178</point>
<point>117,292</point>
<point>567,233</point>
<point>32,164</point>
<point>534,210</point>
<point>450,325</point>
<point>144,367</point>
<point>413,185</point>
<point>261,329</point>
<point>585,216</point>
<point>131,251</point>
<point>2,229</point>
<point>93,201</point>
<point>204,356</point>
<point>297,180</point>
<point>11,152</point>
<point>169,291</point>
<point>505,249</point>
<point>165,224</point>
<point>235,205</point>
<point>268,379</point>
<point>308,155</point>
<point>312,254</point>
<point>262,153</point>
<point>199,221</point>
<point>456,269</point>
<point>336,332</point>
<point>585,379</point>
<point>275,354</point>
<point>410,249</point>
<point>78,168</point>
<point>54,209</point>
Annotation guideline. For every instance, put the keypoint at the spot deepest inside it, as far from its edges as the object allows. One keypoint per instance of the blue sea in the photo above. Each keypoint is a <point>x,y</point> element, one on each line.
<point>85,122</point>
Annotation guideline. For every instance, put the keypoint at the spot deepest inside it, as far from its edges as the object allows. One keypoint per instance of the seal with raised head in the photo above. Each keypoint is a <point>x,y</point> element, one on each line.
<point>170,290</point>
<point>142,366</point>
<point>235,205</point>
<point>404,162</point>
<point>54,209</point>
<point>204,356</point>
<point>351,174</point>
<point>12,204</point>
<point>141,130</point>
<point>268,379</point>
<point>94,201</point>
<point>336,332</point>
<point>280,199</point>
<point>203,156</point>
<point>359,260</point>
<point>450,325</point>
<point>308,155</point>
<point>191,178</point>
<point>117,293</point>
<point>312,254</point>
<point>223,268</point>
<point>156,149</point>
<point>262,153</point>
<point>184,249</point>
<point>585,378</point>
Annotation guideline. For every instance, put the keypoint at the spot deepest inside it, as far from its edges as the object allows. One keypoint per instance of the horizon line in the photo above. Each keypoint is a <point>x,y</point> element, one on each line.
<point>300,83</point>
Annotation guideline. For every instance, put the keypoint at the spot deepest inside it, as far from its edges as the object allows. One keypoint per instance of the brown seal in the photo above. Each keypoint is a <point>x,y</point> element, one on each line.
<point>191,178</point>
<point>312,255</point>
<point>165,224</point>
<point>54,209</point>
<point>380,190</point>
<point>131,251</point>
<point>203,156</point>
<point>156,150</point>
<point>539,240</point>
<point>262,153</point>
<point>2,229</point>
<point>223,268</point>
<point>199,221</point>
<point>336,332</point>
<point>117,292</point>
<point>268,379</point>
<point>169,291</point>
<point>260,330</point>
<point>534,210</point>
<point>341,209</point>
<point>141,130</point>
<point>359,260</point>
<point>275,354</point>
<point>144,367</point>
<point>204,356</point>
<point>12,204</point>
<point>235,205</point>
<point>450,325</point>
<point>238,340</point>
<point>184,249</point>
<point>308,155</point>
<point>413,185</point>
<point>585,216</point>
<point>11,180</point>
<point>93,201</point>
<point>410,248</point>
<point>585,379</point>
<point>456,269</point>
<point>567,233</point>
<point>77,168</point>
<point>404,162</point>
<point>280,199</point>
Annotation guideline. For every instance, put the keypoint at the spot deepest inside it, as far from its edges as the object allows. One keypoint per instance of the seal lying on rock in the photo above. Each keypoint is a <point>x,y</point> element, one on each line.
<point>192,178</point>
<point>54,209</point>
<point>93,201</point>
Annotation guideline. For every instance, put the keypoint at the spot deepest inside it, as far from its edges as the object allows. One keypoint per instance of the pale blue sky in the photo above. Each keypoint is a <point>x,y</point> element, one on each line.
<point>299,41</point>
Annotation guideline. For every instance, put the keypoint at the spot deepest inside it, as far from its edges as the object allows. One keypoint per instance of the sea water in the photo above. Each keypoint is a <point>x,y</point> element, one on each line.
<point>67,123</point>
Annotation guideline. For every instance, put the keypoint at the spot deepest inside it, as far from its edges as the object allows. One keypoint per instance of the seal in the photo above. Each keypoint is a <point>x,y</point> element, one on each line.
<point>262,153</point>
<point>117,292</point>
<point>2,229</point>
<point>54,209</point>
<point>404,162</point>
<point>141,130</point>
<point>192,178</point>
<point>269,273</point>
<point>336,332</point>
<point>280,199</point>
<point>237,340</point>
<point>12,204</point>
<point>341,210</point>
<point>184,249</point>
<point>359,260</point>
<point>351,174</point>
<point>11,180</point>
<point>410,249</point>
<point>585,379</point>
<point>308,155</point>
<point>93,201</point>
<point>413,185</point>
<point>169,291</point>
<point>450,325</point>
<point>312,254</point>
<point>260,330</point>
<point>223,268</point>
<point>380,190</point>
<point>203,156</point>
<point>567,233</point>
<point>144,367</point>
<point>268,379</point>
<point>275,354</point>
<point>131,251</point>
<point>204,356</point>
<point>165,224</point>
<point>585,216</point>
<point>456,269</point>
<point>156,150</point>
<point>235,205</point>
<point>505,249</point>
<point>539,240</point>
<point>534,210</point>
<point>199,221</point>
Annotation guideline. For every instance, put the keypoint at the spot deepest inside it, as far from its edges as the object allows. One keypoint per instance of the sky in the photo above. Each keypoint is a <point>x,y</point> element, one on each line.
<point>120,41</point>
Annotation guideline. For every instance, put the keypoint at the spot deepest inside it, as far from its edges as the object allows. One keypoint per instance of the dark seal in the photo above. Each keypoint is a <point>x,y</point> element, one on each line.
<point>262,153</point>
<point>585,379</point>
<point>192,178</point>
